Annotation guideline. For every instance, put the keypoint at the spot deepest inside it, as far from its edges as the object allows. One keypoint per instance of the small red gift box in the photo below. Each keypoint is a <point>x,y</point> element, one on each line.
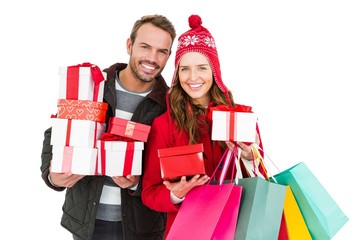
<point>128,129</point>
<point>233,124</point>
<point>82,110</point>
<point>181,161</point>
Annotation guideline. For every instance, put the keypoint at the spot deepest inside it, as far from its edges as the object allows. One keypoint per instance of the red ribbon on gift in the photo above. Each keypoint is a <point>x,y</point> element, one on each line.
<point>129,158</point>
<point>67,159</point>
<point>232,126</point>
<point>103,156</point>
<point>68,132</point>
<point>95,134</point>
<point>73,85</point>
<point>237,108</point>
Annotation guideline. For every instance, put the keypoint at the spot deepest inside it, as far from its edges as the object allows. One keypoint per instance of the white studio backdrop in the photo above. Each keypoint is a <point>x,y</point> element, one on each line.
<point>296,63</point>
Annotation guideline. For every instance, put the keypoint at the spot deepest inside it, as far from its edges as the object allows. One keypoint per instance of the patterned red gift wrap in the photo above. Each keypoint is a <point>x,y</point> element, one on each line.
<point>82,110</point>
<point>128,129</point>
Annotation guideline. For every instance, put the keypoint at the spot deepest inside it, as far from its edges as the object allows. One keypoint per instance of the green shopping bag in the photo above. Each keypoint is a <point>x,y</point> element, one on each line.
<point>321,213</point>
<point>261,208</point>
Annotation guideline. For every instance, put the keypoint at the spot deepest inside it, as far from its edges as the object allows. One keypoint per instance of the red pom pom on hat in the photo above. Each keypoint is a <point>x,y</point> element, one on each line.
<point>195,21</point>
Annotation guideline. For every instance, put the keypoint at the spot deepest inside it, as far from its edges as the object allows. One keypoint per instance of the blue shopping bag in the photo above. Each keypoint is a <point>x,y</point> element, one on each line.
<point>262,204</point>
<point>322,215</point>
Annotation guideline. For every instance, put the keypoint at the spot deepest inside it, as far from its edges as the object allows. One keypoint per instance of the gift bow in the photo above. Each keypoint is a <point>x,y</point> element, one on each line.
<point>112,137</point>
<point>73,80</point>
<point>237,108</point>
<point>96,73</point>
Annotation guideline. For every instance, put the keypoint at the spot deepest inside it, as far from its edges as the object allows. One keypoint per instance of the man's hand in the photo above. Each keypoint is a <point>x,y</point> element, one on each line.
<point>64,179</point>
<point>126,182</point>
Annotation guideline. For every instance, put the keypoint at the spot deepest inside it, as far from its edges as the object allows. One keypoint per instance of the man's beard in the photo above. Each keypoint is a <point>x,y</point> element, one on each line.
<point>142,77</point>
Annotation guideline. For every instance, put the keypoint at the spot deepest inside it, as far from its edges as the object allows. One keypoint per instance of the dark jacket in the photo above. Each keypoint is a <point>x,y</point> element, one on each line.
<point>81,201</point>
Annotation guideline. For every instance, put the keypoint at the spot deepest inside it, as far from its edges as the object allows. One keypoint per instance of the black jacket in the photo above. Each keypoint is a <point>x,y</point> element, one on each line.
<point>81,201</point>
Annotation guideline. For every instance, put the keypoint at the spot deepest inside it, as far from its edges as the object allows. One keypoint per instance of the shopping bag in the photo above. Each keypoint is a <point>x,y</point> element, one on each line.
<point>321,213</point>
<point>263,216</point>
<point>293,226</point>
<point>283,235</point>
<point>261,209</point>
<point>209,211</point>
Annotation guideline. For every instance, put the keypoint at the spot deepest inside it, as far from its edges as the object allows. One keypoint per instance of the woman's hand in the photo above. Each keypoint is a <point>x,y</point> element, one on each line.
<point>182,187</point>
<point>246,152</point>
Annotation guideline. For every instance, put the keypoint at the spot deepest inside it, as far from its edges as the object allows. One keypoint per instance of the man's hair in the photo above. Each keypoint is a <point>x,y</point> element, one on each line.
<point>158,21</point>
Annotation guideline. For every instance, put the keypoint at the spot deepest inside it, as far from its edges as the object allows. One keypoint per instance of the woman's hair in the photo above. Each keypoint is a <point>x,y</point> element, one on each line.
<point>185,112</point>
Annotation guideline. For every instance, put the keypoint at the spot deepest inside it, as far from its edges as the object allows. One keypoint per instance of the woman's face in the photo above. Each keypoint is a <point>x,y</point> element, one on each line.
<point>196,77</point>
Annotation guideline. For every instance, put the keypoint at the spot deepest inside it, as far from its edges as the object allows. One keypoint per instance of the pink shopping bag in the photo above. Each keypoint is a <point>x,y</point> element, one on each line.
<point>209,211</point>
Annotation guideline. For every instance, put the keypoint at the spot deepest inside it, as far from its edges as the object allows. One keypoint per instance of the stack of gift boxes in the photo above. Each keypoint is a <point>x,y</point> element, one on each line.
<point>120,149</point>
<point>81,144</point>
<point>80,119</point>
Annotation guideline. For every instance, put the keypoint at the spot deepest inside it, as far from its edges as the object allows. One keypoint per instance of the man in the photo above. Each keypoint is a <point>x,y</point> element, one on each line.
<point>134,91</point>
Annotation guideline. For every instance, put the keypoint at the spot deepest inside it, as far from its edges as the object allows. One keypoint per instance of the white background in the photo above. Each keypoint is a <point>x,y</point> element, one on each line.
<point>296,63</point>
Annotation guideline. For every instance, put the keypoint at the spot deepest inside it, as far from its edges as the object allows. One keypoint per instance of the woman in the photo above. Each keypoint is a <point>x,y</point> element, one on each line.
<point>196,86</point>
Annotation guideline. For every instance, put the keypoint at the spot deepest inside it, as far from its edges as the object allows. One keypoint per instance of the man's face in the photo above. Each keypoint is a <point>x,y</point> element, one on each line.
<point>150,52</point>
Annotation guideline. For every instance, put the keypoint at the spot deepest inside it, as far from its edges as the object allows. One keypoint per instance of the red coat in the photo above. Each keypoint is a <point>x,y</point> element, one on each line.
<point>154,194</point>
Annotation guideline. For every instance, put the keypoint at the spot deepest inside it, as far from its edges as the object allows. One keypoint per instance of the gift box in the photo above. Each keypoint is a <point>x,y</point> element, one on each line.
<point>176,162</point>
<point>82,110</point>
<point>76,133</point>
<point>78,160</point>
<point>235,124</point>
<point>82,82</point>
<point>119,158</point>
<point>128,129</point>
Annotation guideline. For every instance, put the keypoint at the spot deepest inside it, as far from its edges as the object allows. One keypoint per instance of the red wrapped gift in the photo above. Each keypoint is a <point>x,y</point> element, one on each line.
<point>82,110</point>
<point>233,124</point>
<point>129,129</point>
<point>181,161</point>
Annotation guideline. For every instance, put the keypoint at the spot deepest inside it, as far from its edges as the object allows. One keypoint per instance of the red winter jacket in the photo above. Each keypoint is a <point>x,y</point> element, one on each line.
<point>163,134</point>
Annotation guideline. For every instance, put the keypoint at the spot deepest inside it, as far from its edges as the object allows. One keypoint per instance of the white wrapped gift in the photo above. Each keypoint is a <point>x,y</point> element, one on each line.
<point>80,86</point>
<point>77,133</point>
<point>119,158</point>
<point>234,126</point>
<point>78,160</point>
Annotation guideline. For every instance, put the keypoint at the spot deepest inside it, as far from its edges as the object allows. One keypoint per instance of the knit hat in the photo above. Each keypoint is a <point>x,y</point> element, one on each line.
<point>199,39</point>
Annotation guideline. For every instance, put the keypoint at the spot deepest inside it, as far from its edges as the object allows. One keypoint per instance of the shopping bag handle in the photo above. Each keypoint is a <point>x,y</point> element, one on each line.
<point>256,148</point>
<point>226,159</point>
